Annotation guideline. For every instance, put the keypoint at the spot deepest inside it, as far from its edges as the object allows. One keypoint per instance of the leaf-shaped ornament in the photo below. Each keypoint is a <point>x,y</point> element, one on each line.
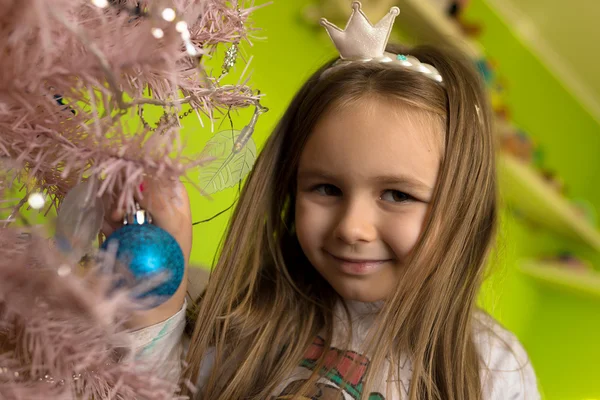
<point>227,168</point>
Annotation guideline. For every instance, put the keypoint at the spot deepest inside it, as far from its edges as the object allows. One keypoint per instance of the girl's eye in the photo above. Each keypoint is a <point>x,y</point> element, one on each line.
<point>327,190</point>
<point>395,196</point>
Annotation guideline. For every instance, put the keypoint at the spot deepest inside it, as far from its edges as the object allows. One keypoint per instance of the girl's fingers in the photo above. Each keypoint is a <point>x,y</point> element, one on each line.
<point>168,203</point>
<point>117,215</point>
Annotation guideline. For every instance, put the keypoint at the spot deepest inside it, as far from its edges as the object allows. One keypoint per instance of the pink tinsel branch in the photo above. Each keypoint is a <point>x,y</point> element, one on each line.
<point>74,80</point>
<point>62,334</point>
<point>71,70</point>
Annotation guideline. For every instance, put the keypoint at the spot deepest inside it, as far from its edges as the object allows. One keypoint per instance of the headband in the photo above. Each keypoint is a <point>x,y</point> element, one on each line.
<point>362,41</point>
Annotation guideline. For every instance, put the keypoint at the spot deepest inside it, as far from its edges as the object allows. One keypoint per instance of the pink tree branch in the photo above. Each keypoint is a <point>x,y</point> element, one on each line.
<point>95,59</point>
<point>69,339</point>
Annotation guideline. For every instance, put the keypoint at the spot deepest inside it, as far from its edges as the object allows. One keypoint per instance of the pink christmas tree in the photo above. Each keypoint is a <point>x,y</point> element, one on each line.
<point>76,77</point>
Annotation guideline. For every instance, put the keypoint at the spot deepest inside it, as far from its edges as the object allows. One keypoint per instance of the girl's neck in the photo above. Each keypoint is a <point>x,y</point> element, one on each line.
<point>363,309</point>
<point>353,330</point>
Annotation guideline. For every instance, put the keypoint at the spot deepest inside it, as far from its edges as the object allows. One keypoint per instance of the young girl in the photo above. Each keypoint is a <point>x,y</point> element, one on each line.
<point>351,266</point>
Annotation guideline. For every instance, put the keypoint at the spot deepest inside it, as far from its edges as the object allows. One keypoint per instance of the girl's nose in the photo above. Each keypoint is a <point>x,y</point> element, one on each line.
<point>356,223</point>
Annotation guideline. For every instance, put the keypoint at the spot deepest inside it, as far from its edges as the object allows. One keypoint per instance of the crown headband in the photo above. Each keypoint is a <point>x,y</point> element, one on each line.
<point>362,41</point>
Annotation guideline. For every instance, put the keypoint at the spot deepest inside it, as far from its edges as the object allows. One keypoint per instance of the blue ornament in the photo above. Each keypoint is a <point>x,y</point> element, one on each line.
<point>149,251</point>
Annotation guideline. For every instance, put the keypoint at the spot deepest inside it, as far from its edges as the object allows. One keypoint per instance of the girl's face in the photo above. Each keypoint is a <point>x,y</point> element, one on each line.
<point>365,178</point>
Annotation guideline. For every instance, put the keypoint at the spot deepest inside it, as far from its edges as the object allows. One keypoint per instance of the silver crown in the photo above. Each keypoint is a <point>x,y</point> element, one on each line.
<point>362,41</point>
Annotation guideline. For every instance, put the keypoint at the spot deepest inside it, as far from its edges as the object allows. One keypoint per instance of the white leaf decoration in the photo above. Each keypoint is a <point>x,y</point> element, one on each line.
<point>226,169</point>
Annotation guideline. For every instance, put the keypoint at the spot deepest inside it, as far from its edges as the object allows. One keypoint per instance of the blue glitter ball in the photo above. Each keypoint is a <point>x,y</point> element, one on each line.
<point>149,250</point>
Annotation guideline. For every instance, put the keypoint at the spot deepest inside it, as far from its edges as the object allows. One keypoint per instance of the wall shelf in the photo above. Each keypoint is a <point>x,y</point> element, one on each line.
<point>581,282</point>
<point>523,189</point>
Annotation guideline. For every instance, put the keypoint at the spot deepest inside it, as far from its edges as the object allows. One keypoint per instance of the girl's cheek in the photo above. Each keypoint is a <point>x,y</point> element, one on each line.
<point>313,221</point>
<point>402,231</point>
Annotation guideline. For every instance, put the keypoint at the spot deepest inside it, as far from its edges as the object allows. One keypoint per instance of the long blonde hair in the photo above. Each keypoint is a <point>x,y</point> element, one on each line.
<point>265,303</point>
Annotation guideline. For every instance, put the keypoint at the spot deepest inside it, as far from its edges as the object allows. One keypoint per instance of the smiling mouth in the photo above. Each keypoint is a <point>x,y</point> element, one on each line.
<point>353,266</point>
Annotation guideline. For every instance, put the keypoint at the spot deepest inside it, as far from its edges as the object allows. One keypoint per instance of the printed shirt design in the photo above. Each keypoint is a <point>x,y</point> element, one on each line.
<point>342,376</point>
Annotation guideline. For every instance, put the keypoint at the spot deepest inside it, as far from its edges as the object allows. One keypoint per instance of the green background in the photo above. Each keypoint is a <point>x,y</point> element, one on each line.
<point>558,329</point>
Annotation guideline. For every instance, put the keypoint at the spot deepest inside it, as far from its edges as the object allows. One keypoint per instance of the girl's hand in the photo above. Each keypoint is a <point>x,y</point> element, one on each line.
<point>168,203</point>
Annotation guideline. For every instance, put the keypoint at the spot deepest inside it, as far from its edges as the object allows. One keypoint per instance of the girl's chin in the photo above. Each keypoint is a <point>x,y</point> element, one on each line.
<point>361,293</point>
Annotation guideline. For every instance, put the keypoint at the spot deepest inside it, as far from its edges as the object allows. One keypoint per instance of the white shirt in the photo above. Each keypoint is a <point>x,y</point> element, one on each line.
<point>507,374</point>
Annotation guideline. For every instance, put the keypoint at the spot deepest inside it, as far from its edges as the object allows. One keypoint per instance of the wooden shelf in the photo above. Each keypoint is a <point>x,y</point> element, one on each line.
<point>522,188</point>
<point>424,21</point>
<point>560,277</point>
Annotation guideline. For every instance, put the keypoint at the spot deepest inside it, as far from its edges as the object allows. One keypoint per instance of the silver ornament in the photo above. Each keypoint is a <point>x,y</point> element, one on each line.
<point>230,58</point>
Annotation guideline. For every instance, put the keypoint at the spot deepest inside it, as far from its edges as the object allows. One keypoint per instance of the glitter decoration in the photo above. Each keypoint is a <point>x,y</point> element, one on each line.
<point>168,14</point>
<point>63,270</point>
<point>149,252</point>
<point>230,58</point>
<point>191,49</point>
<point>100,3</point>
<point>181,26</point>
<point>36,201</point>
<point>185,35</point>
<point>158,33</point>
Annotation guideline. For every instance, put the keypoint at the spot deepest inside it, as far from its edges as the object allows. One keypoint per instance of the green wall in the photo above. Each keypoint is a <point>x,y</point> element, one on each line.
<point>559,330</point>
<point>286,53</point>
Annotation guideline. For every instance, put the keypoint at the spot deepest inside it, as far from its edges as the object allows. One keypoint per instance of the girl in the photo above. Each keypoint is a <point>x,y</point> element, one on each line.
<point>351,266</point>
